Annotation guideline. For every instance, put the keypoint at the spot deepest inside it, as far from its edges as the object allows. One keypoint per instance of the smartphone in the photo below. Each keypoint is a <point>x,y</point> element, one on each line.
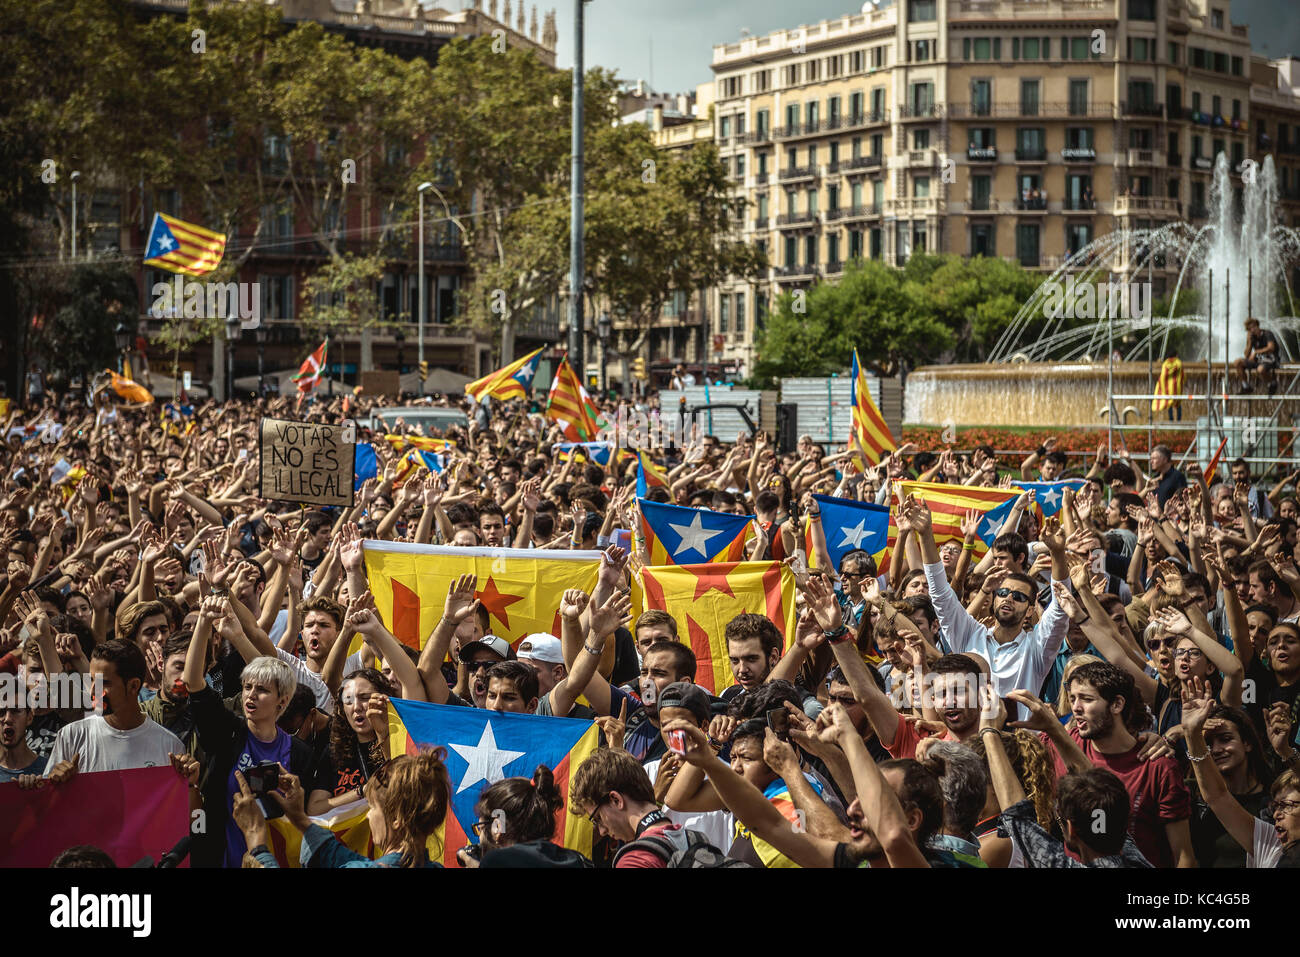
<point>677,741</point>
<point>778,719</point>
<point>649,692</point>
<point>263,778</point>
<point>243,454</point>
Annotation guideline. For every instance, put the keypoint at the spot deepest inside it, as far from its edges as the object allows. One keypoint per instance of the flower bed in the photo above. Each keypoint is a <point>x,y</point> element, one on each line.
<point>1027,440</point>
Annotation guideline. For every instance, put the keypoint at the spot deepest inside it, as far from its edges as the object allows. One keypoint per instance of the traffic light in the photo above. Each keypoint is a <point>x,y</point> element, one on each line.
<point>424,369</point>
<point>638,368</point>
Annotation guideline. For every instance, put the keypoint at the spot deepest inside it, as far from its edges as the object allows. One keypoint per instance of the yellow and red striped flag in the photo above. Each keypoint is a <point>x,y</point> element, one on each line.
<point>704,598</point>
<point>514,381</point>
<point>948,506</point>
<point>183,247</point>
<point>421,442</point>
<point>1170,385</point>
<point>348,823</point>
<point>1214,462</point>
<point>869,431</point>
<point>569,405</point>
<point>520,587</point>
<point>128,388</point>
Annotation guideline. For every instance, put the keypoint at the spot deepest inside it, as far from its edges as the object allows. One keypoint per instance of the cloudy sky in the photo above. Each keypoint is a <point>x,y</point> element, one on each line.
<point>671,41</point>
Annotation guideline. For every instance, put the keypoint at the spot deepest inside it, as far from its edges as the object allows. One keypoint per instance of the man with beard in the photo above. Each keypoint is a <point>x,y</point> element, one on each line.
<point>1017,658</point>
<point>1105,704</point>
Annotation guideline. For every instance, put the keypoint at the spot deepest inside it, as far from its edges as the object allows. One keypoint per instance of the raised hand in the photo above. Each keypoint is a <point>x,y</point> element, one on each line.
<point>616,611</point>
<point>614,728</point>
<point>1041,715</point>
<point>1067,601</point>
<point>1053,536</point>
<point>351,554</point>
<point>612,563</point>
<point>970,526</point>
<point>821,601</point>
<point>1173,621</point>
<point>573,603</point>
<point>1198,701</point>
<point>460,603</point>
<point>1278,724</point>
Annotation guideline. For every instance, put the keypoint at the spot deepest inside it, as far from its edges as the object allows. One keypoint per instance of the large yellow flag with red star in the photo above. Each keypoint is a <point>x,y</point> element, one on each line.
<point>704,598</point>
<point>519,587</point>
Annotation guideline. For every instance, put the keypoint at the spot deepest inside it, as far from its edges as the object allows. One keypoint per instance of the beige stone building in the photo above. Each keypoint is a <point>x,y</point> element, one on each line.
<point>1014,128</point>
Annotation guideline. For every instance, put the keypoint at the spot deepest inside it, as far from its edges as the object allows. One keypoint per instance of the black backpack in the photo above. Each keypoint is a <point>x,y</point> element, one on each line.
<point>680,848</point>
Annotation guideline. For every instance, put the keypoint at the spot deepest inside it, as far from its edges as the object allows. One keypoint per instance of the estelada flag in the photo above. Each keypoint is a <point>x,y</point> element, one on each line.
<point>484,747</point>
<point>347,823</point>
<point>675,535</point>
<point>422,442</point>
<point>569,406</point>
<point>704,598</point>
<point>514,381</point>
<point>128,389</point>
<point>183,247</point>
<point>648,475</point>
<point>414,461</point>
<point>869,429</point>
<point>948,506</point>
<point>1170,384</point>
<point>520,587</point>
<point>1050,496</point>
<point>310,372</point>
<point>598,452</point>
<point>848,525</point>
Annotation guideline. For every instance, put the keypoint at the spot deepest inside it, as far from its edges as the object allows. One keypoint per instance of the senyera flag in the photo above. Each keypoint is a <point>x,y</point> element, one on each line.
<point>347,823</point>
<point>675,535</point>
<point>570,407</point>
<point>948,506</point>
<point>312,368</point>
<point>130,815</point>
<point>704,598</point>
<point>481,748</point>
<point>183,247</point>
<point>848,525</point>
<point>514,381</point>
<point>869,431</point>
<point>520,587</point>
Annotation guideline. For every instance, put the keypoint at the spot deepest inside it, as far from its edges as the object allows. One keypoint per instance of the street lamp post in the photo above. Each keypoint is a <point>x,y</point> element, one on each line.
<point>603,325</point>
<point>122,339</point>
<point>232,333</point>
<point>262,333</point>
<point>75,174</point>
<point>419,322</point>
<point>576,269</point>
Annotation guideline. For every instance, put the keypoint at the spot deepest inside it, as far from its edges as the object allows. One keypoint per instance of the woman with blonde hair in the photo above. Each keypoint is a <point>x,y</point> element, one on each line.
<point>1033,766</point>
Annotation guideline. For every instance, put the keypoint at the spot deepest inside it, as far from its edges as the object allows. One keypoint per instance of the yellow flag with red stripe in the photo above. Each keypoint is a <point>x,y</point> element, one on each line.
<point>348,823</point>
<point>704,598</point>
<point>520,587</point>
<point>869,431</point>
<point>948,506</point>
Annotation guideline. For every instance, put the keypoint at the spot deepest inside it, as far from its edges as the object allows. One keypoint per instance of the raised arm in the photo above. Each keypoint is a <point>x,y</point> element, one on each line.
<point>460,604</point>
<point>366,620</point>
<point>1236,820</point>
<point>584,678</point>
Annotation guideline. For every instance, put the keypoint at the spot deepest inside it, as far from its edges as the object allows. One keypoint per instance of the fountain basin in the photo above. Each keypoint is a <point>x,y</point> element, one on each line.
<point>1039,393</point>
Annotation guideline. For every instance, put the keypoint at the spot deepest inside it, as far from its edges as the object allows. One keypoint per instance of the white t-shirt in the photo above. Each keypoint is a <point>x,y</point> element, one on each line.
<point>324,700</point>
<point>1267,850</point>
<point>104,748</point>
<point>718,826</point>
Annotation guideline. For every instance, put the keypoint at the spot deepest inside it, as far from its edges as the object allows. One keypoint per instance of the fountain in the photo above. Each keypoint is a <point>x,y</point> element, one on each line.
<point>1051,368</point>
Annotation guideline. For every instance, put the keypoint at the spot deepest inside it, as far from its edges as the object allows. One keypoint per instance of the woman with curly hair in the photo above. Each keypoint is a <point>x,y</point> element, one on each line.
<point>358,741</point>
<point>1033,767</point>
<point>516,825</point>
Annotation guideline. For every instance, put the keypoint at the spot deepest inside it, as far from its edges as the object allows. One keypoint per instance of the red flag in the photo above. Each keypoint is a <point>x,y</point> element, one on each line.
<point>1214,463</point>
<point>128,814</point>
<point>309,375</point>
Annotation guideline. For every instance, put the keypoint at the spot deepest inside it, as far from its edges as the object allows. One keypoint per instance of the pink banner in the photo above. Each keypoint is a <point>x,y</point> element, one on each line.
<point>129,814</point>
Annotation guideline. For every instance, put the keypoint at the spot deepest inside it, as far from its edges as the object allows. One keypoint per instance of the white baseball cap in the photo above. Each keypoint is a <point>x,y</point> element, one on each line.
<point>541,647</point>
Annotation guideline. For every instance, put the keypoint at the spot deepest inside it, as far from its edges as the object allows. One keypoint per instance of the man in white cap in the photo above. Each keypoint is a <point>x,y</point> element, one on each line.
<point>545,655</point>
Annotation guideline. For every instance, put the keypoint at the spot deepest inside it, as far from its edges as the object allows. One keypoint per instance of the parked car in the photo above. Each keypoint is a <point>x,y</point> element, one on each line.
<point>428,418</point>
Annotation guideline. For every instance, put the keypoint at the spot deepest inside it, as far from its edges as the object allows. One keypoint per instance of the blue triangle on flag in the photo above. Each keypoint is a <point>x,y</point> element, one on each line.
<point>691,535</point>
<point>850,525</point>
<point>161,239</point>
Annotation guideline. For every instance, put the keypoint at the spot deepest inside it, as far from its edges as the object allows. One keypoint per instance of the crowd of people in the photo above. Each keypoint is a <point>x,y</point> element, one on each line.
<point>1111,686</point>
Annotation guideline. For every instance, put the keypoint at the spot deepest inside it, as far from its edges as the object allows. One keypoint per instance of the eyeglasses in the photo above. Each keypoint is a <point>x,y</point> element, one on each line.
<point>1286,807</point>
<point>1017,595</point>
<point>591,818</point>
<point>480,828</point>
<point>1192,653</point>
<point>1154,644</point>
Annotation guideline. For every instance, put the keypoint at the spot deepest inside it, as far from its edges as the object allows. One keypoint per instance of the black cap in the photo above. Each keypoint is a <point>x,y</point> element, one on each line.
<point>683,694</point>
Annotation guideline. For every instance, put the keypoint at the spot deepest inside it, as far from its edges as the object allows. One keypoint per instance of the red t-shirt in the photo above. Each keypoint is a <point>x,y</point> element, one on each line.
<point>1159,796</point>
<point>639,858</point>
<point>906,738</point>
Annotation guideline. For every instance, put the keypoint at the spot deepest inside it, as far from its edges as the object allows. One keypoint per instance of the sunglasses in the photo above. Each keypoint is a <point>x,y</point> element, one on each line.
<point>479,665</point>
<point>1154,644</point>
<point>480,828</point>
<point>1017,595</point>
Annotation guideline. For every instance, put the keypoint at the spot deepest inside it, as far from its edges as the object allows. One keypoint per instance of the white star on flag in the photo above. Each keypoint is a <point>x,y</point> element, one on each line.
<point>165,242</point>
<point>1051,497</point>
<point>854,536</point>
<point>694,536</point>
<point>487,762</point>
<point>990,528</point>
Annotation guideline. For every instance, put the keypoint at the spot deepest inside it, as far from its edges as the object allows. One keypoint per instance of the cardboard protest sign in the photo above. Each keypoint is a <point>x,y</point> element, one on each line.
<point>306,462</point>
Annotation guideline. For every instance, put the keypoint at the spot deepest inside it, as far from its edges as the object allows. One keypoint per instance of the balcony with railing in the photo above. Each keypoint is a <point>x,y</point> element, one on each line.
<point>1027,108</point>
<point>1031,154</point>
<point>760,179</point>
<point>854,121</point>
<point>860,163</point>
<point>1142,108</point>
<point>978,204</point>
<point>921,111</point>
<point>797,172</point>
<point>924,159</point>
<point>760,222</point>
<point>791,220</point>
<point>836,214</point>
<point>754,137</point>
<point>1145,158</point>
<point>1079,204</point>
<point>796,271</point>
<point>861,212</point>
<point>981,154</point>
<point>1032,204</point>
<point>1147,206</point>
<point>916,206</point>
<point>834,267</point>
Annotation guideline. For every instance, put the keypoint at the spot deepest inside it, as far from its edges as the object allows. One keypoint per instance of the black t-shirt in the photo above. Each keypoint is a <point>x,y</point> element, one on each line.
<point>42,732</point>
<point>1267,693</point>
<point>1261,340</point>
<point>1211,842</point>
<point>340,778</point>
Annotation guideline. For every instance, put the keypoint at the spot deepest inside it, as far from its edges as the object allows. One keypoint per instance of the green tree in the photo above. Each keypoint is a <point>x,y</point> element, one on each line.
<point>79,307</point>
